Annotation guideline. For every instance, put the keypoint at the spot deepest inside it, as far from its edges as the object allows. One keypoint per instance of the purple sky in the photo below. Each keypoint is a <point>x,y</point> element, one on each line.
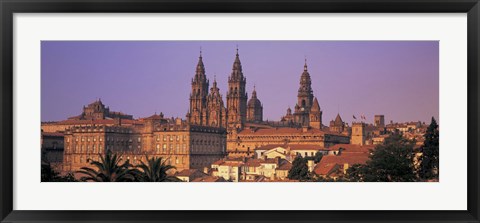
<point>396,78</point>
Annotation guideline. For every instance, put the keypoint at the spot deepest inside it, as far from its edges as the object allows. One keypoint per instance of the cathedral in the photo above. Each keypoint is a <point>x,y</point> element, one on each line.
<point>243,117</point>
<point>208,109</point>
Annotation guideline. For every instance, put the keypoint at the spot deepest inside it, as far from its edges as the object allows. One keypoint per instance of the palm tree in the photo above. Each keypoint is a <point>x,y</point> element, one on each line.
<point>108,170</point>
<point>155,170</point>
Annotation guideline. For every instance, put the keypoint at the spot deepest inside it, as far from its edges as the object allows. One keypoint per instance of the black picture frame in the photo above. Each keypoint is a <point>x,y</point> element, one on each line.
<point>9,7</point>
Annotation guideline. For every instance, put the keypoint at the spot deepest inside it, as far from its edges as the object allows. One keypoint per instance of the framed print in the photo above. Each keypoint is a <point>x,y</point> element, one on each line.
<point>239,111</point>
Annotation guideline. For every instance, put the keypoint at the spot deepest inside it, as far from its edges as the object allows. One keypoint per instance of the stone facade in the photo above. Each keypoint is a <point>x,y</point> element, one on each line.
<point>244,121</point>
<point>358,133</point>
<point>338,125</point>
<point>97,110</point>
<point>244,142</point>
<point>183,145</point>
<point>379,121</point>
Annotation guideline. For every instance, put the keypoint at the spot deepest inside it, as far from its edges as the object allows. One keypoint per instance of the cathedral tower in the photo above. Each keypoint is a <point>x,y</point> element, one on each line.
<point>217,114</point>
<point>254,108</point>
<point>198,98</point>
<point>236,96</point>
<point>304,98</point>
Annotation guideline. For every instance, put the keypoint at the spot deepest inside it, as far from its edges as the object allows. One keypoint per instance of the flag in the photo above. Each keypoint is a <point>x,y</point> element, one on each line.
<point>354,117</point>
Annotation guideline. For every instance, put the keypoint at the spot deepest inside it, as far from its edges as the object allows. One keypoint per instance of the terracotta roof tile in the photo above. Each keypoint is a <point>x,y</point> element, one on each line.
<point>54,134</point>
<point>187,172</point>
<point>209,179</point>
<point>352,148</point>
<point>280,131</point>
<point>304,147</point>
<point>328,163</point>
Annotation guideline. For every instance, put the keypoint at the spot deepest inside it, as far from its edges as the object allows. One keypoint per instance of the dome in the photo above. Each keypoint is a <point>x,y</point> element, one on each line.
<point>254,102</point>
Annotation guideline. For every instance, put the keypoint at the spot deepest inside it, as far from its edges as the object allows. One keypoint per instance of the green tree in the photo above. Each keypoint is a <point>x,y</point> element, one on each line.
<point>299,170</point>
<point>155,170</point>
<point>108,170</point>
<point>429,166</point>
<point>48,174</point>
<point>316,159</point>
<point>389,162</point>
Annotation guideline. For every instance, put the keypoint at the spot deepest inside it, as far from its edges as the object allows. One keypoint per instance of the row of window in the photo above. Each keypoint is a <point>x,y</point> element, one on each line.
<point>133,160</point>
<point>172,138</point>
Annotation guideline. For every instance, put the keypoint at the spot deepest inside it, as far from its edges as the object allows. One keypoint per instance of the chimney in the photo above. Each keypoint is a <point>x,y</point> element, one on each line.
<point>310,165</point>
<point>205,170</point>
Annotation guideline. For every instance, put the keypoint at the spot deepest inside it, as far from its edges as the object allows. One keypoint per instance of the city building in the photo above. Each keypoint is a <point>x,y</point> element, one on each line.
<point>180,144</point>
<point>336,165</point>
<point>379,121</point>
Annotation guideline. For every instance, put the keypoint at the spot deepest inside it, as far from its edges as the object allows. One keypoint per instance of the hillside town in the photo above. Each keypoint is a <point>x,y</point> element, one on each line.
<point>226,142</point>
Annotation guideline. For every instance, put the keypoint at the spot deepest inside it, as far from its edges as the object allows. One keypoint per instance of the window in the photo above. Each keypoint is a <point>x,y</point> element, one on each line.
<point>94,139</point>
<point>83,139</point>
<point>68,139</point>
<point>88,139</point>
<point>139,139</point>
<point>178,138</point>
<point>171,138</point>
<point>164,138</point>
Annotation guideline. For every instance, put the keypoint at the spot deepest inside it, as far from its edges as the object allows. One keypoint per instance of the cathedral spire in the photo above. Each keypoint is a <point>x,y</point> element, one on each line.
<point>237,65</point>
<point>200,67</point>
<point>305,66</point>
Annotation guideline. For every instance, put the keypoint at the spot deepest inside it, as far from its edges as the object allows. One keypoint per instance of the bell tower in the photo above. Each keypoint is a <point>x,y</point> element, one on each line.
<point>197,114</point>
<point>236,96</point>
<point>304,98</point>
